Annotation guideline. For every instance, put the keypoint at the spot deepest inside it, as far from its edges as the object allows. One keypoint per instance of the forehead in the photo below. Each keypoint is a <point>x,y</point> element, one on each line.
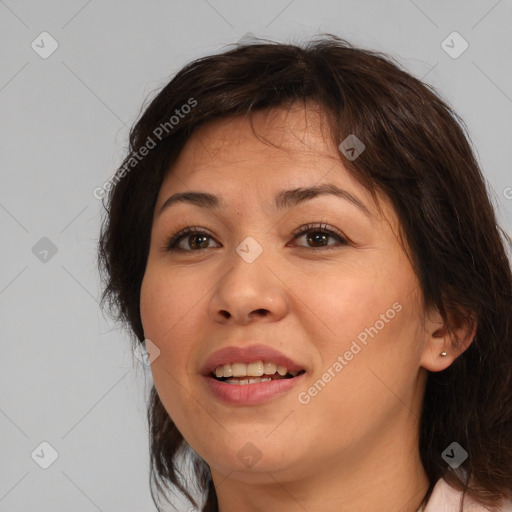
<point>276,147</point>
<point>293,129</point>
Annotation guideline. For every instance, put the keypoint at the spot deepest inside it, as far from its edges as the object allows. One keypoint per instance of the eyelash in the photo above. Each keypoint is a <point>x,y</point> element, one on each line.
<point>171,243</point>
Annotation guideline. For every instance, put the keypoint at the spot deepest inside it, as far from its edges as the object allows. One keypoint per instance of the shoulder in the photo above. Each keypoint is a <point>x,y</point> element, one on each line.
<point>445,498</point>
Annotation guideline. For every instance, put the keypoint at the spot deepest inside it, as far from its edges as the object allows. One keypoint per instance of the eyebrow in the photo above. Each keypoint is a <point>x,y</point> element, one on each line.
<point>283,199</point>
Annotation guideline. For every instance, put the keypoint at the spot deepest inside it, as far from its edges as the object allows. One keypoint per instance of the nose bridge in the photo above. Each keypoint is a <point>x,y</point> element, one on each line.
<point>248,289</point>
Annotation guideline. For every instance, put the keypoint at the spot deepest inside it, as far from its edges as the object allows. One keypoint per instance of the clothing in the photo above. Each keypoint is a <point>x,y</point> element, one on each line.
<point>445,498</point>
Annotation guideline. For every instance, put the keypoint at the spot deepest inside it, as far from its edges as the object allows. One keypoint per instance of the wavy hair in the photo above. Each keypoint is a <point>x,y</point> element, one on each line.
<point>418,154</point>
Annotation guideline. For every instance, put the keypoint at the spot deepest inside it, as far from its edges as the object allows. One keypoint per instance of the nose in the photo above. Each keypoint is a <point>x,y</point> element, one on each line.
<point>248,292</point>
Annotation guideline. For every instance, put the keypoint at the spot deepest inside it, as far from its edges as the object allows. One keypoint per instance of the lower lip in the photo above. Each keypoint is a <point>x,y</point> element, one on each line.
<point>250,394</point>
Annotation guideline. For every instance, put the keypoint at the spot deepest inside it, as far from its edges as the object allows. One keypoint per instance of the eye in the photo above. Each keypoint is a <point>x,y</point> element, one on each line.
<point>193,239</point>
<point>318,236</point>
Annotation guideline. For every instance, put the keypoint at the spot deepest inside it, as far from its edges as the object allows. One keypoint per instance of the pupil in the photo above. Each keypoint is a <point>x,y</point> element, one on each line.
<point>195,238</point>
<point>317,234</point>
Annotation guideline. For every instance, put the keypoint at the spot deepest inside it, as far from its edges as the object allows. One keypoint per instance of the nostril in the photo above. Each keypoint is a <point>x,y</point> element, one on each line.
<point>262,312</point>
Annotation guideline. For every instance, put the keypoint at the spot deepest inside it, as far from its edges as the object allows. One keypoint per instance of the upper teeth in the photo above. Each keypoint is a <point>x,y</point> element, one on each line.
<point>256,369</point>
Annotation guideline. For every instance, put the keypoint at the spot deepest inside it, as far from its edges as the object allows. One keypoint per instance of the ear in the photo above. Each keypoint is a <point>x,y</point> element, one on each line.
<point>440,338</point>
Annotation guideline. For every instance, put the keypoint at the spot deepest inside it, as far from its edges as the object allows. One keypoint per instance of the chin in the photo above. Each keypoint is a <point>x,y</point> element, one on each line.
<point>253,457</point>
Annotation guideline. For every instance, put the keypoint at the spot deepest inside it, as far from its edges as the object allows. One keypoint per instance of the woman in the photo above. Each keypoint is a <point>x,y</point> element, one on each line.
<point>303,240</point>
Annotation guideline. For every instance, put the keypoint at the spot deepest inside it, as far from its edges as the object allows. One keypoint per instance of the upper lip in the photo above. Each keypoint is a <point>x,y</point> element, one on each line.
<point>249,354</point>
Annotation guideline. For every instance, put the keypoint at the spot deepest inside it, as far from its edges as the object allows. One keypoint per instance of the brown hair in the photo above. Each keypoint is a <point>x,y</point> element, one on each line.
<point>418,155</point>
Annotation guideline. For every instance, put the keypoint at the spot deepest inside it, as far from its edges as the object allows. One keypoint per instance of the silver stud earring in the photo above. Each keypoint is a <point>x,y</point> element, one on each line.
<point>442,354</point>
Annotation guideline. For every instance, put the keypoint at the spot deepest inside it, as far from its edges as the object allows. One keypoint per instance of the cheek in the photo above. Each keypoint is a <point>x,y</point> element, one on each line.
<point>155,301</point>
<point>166,300</point>
<point>378,337</point>
<point>371,384</point>
<point>169,322</point>
<point>347,304</point>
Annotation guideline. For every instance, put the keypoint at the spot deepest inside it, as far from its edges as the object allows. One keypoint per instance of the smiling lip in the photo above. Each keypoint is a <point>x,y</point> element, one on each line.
<point>249,394</point>
<point>248,355</point>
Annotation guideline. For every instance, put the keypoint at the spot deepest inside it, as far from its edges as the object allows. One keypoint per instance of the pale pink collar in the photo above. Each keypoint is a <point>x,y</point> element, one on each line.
<point>447,499</point>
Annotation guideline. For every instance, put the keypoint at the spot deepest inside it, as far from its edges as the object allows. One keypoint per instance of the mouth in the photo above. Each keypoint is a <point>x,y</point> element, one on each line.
<point>250,375</point>
<point>242,384</point>
<point>257,372</point>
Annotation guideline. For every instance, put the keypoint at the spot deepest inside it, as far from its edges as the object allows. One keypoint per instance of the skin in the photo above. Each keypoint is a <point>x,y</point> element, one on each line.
<point>353,446</point>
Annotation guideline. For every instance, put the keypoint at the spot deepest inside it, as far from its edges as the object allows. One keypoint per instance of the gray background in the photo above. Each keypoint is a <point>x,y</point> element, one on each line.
<point>67,374</point>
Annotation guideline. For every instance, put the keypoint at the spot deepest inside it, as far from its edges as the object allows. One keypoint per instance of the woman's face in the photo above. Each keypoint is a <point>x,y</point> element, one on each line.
<point>337,304</point>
